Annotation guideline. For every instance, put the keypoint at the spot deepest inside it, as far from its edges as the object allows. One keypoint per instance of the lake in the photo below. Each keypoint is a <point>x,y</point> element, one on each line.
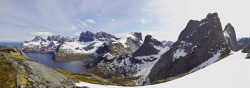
<point>47,59</point>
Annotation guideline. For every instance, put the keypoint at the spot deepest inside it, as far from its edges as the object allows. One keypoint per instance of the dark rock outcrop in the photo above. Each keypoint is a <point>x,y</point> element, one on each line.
<point>247,50</point>
<point>230,37</point>
<point>138,35</point>
<point>148,47</point>
<point>198,42</point>
<point>87,36</point>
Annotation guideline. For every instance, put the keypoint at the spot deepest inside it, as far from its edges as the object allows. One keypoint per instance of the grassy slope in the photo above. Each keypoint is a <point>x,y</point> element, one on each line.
<point>84,78</point>
<point>7,74</point>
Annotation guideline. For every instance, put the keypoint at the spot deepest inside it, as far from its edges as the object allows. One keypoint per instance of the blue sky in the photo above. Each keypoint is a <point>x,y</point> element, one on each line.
<point>164,19</point>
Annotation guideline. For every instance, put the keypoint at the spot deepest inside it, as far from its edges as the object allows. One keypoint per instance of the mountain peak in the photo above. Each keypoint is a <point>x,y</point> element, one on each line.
<point>86,36</point>
<point>212,15</point>
<point>149,47</point>
<point>197,43</point>
<point>230,37</point>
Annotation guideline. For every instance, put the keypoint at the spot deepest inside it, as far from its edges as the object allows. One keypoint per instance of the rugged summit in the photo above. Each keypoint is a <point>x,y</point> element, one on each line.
<point>87,36</point>
<point>201,43</point>
<point>149,47</point>
<point>230,37</point>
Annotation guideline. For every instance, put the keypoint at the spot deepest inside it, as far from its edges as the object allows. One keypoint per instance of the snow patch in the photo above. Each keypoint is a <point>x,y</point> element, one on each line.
<point>226,34</point>
<point>123,38</point>
<point>179,53</point>
<point>78,47</point>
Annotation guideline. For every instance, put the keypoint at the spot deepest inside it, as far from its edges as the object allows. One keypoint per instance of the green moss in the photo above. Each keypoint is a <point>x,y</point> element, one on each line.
<point>18,57</point>
<point>23,78</point>
<point>7,74</point>
<point>84,77</point>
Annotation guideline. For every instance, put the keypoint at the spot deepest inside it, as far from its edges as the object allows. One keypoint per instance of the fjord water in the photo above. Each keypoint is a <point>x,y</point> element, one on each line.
<point>11,43</point>
<point>47,59</point>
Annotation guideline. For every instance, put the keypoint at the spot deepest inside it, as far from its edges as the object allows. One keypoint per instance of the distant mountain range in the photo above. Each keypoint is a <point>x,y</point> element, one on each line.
<point>128,60</point>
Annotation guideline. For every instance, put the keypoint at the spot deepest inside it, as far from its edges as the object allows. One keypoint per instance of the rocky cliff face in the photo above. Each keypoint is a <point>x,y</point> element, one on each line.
<point>201,43</point>
<point>230,37</point>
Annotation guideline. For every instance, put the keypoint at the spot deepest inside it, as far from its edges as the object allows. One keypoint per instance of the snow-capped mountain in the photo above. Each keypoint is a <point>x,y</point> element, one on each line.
<point>41,45</point>
<point>200,44</point>
<point>88,46</point>
<point>126,59</point>
<point>131,69</point>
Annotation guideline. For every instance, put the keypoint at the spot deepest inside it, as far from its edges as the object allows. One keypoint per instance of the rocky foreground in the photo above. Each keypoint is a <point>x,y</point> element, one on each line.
<point>17,70</point>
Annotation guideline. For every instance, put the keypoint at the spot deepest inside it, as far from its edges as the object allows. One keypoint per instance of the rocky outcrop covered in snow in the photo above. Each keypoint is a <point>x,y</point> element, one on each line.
<point>200,44</point>
<point>230,37</point>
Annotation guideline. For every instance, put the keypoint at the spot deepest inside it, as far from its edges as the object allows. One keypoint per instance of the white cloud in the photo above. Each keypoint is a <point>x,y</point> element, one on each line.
<point>83,24</point>
<point>146,10</point>
<point>144,21</point>
<point>73,27</point>
<point>113,20</point>
<point>90,21</point>
<point>77,33</point>
<point>42,34</point>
